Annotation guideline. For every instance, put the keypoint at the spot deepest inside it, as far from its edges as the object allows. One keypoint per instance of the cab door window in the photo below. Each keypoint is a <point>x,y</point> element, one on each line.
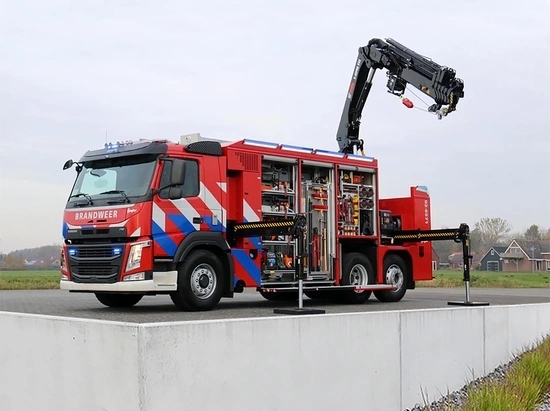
<point>191,186</point>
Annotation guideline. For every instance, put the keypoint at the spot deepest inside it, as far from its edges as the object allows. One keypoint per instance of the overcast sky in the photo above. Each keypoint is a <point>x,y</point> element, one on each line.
<point>72,71</point>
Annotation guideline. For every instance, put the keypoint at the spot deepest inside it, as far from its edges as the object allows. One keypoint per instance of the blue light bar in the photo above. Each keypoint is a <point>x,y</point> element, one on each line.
<point>72,251</point>
<point>117,145</point>
<point>117,250</point>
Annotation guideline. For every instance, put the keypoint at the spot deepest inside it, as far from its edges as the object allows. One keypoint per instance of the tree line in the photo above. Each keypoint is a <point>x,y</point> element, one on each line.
<point>39,258</point>
<point>492,231</point>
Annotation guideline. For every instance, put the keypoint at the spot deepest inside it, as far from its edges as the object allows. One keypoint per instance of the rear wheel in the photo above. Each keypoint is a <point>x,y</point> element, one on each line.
<point>201,281</point>
<point>118,300</point>
<point>395,273</point>
<point>356,270</point>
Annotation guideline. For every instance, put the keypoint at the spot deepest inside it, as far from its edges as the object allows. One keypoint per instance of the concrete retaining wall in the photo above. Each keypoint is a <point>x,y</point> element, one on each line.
<point>365,361</point>
<point>53,363</point>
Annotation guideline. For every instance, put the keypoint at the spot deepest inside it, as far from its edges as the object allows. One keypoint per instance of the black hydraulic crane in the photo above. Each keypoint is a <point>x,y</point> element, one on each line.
<point>403,66</point>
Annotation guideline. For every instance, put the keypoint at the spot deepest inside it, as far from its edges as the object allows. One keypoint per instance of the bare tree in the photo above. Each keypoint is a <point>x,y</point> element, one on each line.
<point>516,235</point>
<point>476,243</point>
<point>491,231</point>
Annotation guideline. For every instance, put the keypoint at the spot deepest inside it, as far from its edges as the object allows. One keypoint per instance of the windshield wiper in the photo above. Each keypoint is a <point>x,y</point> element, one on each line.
<point>90,202</point>
<point>117,192</point>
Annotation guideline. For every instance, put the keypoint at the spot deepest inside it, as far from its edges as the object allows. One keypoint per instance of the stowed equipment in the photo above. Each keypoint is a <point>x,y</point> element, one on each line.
<point>292,227</point>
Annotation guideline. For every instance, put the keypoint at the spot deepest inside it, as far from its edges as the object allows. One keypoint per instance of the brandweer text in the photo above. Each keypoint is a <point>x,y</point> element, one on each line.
<point>92,215</point>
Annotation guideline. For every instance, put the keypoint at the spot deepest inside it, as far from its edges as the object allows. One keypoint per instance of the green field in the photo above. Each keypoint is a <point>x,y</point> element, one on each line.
<point>44,280</point>
<point>488,279</point>
<point>29,280</point>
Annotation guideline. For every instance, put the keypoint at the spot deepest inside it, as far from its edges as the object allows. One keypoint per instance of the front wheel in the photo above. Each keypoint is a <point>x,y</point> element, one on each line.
<point>395,273</point>
<point>201,281</point>
<point>118,300</point>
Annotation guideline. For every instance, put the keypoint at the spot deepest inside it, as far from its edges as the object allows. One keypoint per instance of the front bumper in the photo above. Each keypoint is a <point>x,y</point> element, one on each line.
<point>162,281</point>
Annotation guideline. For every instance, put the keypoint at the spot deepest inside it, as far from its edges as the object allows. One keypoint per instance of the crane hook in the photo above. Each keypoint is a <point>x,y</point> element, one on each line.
<point>408,103</point>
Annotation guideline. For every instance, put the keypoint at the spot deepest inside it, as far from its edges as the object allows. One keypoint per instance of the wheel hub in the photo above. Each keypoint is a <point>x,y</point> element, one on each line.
<point>203,281</point>
<point>395,276</point>
<point>358,276</point>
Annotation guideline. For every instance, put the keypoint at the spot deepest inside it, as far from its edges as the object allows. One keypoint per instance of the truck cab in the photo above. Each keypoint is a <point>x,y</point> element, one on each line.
<point>134,209</point>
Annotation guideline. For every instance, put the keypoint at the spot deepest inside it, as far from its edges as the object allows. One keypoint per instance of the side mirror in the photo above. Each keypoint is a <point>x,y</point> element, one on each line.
<point>68,164</point>
<point>177,174</point>
<point>175,193</point>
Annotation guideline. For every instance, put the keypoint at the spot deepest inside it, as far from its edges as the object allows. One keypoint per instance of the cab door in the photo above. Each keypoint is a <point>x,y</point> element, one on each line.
<point>196,210</point>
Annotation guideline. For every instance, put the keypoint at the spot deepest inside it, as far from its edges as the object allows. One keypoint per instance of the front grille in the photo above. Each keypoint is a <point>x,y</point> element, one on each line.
<point>96,252</point>
<point>94,269</point>
<point>95,274</point>
<point>96,264</point>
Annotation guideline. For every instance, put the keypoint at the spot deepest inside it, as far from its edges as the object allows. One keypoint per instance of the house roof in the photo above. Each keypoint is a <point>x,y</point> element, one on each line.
<point>539,247</point>
<point>500,249</point>
<point>456,258</point>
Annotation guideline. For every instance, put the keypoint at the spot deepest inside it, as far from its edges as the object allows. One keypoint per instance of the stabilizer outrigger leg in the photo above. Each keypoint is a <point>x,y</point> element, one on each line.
<point>459,235</point>
<point>465,239</point>
<point>299,230</point>
<point>295,228</point>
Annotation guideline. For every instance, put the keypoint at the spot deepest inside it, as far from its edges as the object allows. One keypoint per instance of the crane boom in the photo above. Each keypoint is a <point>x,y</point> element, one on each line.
<point>404,66</point>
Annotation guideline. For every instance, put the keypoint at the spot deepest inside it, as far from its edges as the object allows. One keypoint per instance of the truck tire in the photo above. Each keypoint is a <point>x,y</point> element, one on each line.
<point>395,272</point>
<point>201,282</point>
<point>357,269</point>
<point>118,300</point>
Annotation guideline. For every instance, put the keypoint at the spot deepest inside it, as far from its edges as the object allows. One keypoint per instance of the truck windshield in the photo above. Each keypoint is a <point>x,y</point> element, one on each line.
<point>120,177</point>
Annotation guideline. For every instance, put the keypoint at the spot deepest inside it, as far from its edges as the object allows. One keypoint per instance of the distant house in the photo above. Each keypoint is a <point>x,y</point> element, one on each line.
<point>524,255</point>
<point>491,260</point>
<point>436,261</point>
<point>456,261</point>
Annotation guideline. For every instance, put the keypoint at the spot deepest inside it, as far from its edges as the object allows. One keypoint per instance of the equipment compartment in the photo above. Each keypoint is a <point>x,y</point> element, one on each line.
<point>356,204</point>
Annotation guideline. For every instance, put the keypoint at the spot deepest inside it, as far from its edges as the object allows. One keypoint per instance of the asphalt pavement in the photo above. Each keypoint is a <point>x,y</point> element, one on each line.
<point>248,304</point>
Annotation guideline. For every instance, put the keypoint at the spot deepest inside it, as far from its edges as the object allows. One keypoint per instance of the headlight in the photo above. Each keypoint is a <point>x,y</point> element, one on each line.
<point>134,257</point>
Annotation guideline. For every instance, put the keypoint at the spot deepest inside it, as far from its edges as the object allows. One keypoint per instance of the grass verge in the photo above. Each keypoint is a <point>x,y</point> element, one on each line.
<point>46,280</point>
<point>447,279</point>
<point>523,387</point>
<point>29,280</point>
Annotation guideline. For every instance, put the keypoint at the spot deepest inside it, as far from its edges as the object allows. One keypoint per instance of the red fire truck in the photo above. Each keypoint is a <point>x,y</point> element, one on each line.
<point>201,219</point>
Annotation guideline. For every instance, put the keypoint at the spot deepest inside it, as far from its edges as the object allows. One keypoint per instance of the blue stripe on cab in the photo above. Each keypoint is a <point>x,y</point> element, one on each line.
<point>183,224</point>
<point>247,263</point>
<point>162,239</point>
